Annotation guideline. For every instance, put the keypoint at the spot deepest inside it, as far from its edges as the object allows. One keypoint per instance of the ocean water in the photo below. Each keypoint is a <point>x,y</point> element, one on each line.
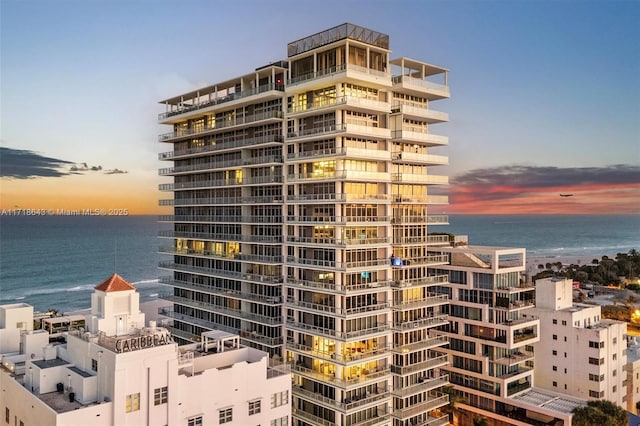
<point>56,261</point>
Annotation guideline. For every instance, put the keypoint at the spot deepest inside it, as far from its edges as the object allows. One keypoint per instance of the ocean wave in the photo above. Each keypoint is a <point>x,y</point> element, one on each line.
<point>154,281</point>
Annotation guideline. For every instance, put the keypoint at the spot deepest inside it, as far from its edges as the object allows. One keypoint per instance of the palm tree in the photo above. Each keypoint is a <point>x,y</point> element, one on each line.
<point>454,399</point>
<point>600,412</point>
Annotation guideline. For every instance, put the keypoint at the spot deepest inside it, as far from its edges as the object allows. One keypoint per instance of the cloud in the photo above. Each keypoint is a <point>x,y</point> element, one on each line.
<point>23,164</point>
<point>529,188</point>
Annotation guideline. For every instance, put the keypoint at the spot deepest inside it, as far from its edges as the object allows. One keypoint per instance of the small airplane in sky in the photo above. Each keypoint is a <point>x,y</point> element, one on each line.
<point>566,195</point>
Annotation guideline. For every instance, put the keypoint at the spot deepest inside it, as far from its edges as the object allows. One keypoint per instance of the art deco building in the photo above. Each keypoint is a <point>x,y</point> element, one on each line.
<point>302,197</point>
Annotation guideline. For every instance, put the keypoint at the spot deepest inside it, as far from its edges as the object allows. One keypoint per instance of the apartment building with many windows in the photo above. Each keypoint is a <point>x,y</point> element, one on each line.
<point>301,197</point>
<point>580,353</point>
<point>492,332</point>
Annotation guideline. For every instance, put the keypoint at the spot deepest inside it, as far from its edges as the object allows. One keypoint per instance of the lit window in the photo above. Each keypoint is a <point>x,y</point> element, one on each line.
<point>254,407</point>
<point>225,416</point>
<point>132,402</point>
<point>160,395</point>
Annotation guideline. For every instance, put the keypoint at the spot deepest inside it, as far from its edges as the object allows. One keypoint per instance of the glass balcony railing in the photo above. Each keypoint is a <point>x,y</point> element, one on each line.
<point>221,145</point>
<point>222,99</point>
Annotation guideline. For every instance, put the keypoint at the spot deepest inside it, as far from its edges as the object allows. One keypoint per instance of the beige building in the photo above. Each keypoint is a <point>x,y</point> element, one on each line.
<point>579,353</point>
<point>119,372</point>
<point>302,193</point>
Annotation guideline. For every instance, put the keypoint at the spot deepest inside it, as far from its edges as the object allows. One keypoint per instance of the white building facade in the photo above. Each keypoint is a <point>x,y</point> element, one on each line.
<point>579,353</point>
<point>122,373</point>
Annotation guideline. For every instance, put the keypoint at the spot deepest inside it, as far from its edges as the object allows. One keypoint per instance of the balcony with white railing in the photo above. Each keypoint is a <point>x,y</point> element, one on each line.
<point>418,158</point>
<point>223,310</point>
<point>424,239</point>
<point>239,122</point>
<point>221,146</point>
<point>412,135</point>
<point>210,104</point>
<point>350,289</point>
<point>433,341</point>
<point>421,112</point>
<point>354,72</point>
<point>338,242</point>
<point>317,132</point>
<point>423,87</point>
<point>428,219</point>
<point>422,385</point>
<point>353,175</point>
<point>367,130</point>
<point>419,178</point>
<point>220,219</point>
<point>432,299</point>
<point>349,358</point>
<point>410,199</point>
<point>421,281</point>
<point>425,322</point>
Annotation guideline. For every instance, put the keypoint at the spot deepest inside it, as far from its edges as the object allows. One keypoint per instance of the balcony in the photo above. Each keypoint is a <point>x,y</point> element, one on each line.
<point>223,310</point>
<point>352,175</point>
<point>338,198</point>
<point>221,146</point>
<point>199,184</point>
<point>337,242</point>
<point>250,120</point>
<point>333,220</point>
<point>201,167</point>
<point>420,159</point>
<point>425,239</point>
<point>310,418</point>
<point>352,102</point>
<point>351,71</point>
<point>210,104</point>
<point>438,399</point>
<point>348,358</point>
<point>432,342</point>
<point>418,178</point>
<point>420,137</point>
<point>350,152</point>
<point>225,292</point>
<point>421,87</point>
<point>431,199</point>
<point>426,384</point>
<point>428,219</point>
<point>515,357</point>
<point>331,287</point>
<point>429,364</point>
<point>317,132</point>
<point>203,236</point>
<point>432,300</point>
<point>418,111</point>
<point>430,321</point>
<point>200,270</point>
<point>423,281</point>
<point>220,219</point>
<point>431,260</point>
<point>346,406</point>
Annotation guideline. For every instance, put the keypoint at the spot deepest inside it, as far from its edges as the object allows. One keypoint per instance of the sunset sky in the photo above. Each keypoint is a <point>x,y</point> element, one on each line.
<point>545,96</point>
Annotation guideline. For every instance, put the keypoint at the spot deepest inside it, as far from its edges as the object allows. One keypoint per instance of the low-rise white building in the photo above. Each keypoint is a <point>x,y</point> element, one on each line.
<point>118,372</point>
<point>579,353</point>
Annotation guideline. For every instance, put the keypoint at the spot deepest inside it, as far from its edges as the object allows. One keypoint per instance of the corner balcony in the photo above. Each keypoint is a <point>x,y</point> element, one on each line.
<point>433,299</point>
<point>514,357</point>
<point>351,152</point>
<point>409,199</point>
<point>267,91</point>
<point>420,112</point>
<point>350,72</point>
<point>353,103</point>
<point>420,137</point>
<point>420,159</point>
<point>434,341</point>
<point>334,175</point>
<point>429,220</point>
<point>420,87</point>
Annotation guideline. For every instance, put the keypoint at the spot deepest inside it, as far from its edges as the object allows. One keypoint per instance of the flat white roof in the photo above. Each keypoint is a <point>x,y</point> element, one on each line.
<point>549,400</point>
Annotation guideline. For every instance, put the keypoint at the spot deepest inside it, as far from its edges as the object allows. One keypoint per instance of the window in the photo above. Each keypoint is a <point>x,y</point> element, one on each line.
<point>615,357</point>
<point>595,377</point>
<point>94,364</point>
<point>194,421</point>
<point>555,321</point>
<point>554,352</point>
<point>615,388</point>
<point>565,338</point>
<point>279,398</point>
<point>615,373</point>
<point>132,402</point>
<point>282,421</point>
<point>594,394</point>
<point>565,354</point>
<point>254,407</point>
<point>564,322</point>
<point>615,340</point>
<point>160,395</point>
<point>555,337</point>
<point>7,414</point>
<point>555,368</point>
<point>225,415</point>
<point>596,361</point>
<point>555,384</point>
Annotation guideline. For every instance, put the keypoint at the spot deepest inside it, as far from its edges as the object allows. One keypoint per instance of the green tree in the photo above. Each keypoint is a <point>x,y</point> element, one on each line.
<point>454,399</point>
<point>599,412</point>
